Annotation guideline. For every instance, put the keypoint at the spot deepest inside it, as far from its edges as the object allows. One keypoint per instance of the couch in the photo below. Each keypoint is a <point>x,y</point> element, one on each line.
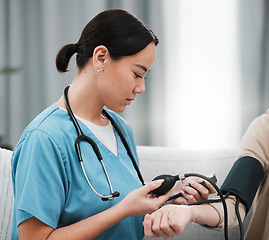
<point>153,161</point>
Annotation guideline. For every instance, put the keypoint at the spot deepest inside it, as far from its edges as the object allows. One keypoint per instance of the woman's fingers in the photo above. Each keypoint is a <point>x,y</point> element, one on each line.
<point>150,186</point>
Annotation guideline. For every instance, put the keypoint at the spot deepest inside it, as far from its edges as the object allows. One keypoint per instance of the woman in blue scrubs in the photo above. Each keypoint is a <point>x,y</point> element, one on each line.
<point>52,197</point>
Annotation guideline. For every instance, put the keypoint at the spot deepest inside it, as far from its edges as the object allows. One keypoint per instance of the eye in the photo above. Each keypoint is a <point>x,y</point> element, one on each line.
<point>137,75</point>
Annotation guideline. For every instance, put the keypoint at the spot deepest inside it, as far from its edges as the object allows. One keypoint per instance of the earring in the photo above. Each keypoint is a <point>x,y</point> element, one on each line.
<point>97,71</point>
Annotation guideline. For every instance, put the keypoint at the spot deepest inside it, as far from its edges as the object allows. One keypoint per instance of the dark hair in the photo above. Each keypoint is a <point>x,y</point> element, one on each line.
<point>121,32</point>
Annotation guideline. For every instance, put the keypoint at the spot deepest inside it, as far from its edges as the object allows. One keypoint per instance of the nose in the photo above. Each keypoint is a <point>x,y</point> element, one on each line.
<point>140,86</point>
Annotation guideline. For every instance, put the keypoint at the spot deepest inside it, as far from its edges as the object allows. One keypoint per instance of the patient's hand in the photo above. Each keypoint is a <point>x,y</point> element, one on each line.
<point>171,220</point>
<point>191,194</point>
<point>168,221</point>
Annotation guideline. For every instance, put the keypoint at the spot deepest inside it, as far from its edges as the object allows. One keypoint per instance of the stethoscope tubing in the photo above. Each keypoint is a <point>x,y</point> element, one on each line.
<point>82,137</point>
<point>125,145</point>
<point>109,197</point>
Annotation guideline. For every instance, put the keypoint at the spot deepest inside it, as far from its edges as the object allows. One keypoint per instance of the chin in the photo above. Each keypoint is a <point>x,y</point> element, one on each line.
<point>120,109</point>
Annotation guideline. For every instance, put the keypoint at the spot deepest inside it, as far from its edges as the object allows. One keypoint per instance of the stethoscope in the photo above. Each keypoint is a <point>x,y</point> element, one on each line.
<point>169,180</point>
<point>83,137</point>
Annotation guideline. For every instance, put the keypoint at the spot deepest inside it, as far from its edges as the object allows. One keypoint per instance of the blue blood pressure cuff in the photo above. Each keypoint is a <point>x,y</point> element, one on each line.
<point>243,180</point>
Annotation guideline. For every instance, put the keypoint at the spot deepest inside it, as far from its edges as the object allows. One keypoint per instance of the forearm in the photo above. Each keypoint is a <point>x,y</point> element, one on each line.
<point>136,203</point>
<point>232,218</point>
<point>206,215</point>
<point>91,227</point>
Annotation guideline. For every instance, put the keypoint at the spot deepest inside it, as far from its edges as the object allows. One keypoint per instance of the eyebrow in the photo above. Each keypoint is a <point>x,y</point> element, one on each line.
<point>142,67</point>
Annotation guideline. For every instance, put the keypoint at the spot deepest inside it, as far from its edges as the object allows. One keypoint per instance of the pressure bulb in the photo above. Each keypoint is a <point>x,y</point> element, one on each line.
<point>169,182</point>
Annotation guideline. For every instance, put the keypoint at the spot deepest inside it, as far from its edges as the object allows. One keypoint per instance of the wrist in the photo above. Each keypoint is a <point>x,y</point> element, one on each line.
<point>206,215</point>
<point>192,214</point>
<point>123,209</point>
<point>192,218</point>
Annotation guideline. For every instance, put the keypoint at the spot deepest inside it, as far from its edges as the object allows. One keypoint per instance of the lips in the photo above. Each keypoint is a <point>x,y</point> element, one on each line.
<point>129,100</point>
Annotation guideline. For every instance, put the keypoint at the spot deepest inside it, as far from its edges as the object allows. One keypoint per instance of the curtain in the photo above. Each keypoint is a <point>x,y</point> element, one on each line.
<point>187,103</point>
<point>32,32</point>
<point>254,53</point>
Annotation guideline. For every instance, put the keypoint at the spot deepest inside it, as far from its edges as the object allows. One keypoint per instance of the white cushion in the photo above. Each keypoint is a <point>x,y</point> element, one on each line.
<point>6,194</point>
<point>163,160</point>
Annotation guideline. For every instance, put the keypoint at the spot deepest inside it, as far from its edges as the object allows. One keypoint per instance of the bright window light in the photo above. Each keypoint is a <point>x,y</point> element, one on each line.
<point>202,93</point>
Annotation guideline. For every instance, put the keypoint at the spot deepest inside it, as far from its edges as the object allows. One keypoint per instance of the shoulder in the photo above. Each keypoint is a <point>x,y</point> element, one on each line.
<point>53,124</point>
<point>261,125</point>
<point>46,140</point>
<point>255,142</point>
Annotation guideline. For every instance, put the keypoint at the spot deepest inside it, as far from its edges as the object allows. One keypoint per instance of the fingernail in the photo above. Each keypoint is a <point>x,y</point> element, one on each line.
<point>159,180</point>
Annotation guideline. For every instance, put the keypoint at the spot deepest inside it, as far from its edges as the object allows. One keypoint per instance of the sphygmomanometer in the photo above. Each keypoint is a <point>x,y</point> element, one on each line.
<point>242,182</point>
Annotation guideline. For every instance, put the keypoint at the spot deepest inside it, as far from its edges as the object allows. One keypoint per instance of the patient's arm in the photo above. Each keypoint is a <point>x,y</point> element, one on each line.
<point>171,220</point>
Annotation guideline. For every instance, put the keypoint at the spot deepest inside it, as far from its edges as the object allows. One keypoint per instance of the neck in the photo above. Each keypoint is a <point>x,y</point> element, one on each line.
<point>84,103</point>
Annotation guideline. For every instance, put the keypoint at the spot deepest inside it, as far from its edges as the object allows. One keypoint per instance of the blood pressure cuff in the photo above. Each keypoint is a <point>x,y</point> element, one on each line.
<point>243,180</point>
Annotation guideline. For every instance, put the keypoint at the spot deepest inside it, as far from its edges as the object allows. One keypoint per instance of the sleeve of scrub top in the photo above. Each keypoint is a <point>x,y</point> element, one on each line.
<point>40,180</point>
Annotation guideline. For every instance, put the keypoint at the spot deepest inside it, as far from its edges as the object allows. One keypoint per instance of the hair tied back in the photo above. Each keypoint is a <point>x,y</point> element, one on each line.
<point>76,47</point>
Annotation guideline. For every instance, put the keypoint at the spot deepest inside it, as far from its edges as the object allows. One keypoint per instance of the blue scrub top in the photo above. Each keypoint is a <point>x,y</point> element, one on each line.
<point>49,183</point>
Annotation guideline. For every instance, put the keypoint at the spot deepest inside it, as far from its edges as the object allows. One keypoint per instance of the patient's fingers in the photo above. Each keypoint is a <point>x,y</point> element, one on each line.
<point>166,227</point>
<point>202,193</point>
<point>148,226</point>
<point>179,200</point>
<point>156,223</point>
<point>198,191</point>
<point>179,218</point>
<point>160,225</point>
<point>188,196</point>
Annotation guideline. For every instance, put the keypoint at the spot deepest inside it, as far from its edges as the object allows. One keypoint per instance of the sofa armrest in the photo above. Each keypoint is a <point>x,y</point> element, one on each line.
<point>6,194</point>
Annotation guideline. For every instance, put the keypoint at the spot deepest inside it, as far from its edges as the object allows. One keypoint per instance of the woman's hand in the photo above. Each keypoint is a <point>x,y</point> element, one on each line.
<point>140,201</point>
<point>168,221</point>
<point>191,191</point>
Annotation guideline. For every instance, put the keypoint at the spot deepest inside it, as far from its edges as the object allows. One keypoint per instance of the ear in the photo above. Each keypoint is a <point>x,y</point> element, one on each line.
<point>100,56</point>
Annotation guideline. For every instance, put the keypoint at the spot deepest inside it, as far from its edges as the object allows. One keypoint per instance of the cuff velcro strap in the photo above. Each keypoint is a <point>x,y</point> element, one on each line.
<point>243,180</point>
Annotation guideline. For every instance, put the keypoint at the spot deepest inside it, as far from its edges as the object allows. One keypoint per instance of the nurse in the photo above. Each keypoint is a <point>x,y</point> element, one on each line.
<point>52,197</point>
